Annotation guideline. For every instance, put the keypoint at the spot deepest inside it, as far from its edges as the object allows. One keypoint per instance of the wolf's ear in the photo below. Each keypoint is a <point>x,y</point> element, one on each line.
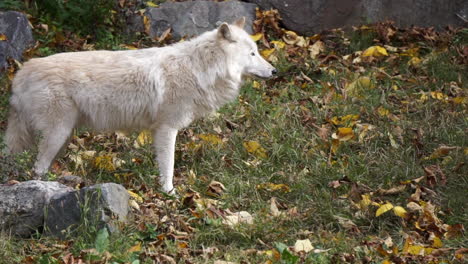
<point>224,32</point>
<point>240,22</point>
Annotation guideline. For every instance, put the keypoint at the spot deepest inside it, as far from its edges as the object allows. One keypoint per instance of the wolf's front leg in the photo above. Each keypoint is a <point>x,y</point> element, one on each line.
<point>164,138</point>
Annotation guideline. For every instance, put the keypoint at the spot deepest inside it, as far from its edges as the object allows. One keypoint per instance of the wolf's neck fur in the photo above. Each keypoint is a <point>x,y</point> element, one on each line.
<point>204,61</point>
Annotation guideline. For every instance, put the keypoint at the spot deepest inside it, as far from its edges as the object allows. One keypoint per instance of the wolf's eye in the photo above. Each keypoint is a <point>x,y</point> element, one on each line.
<point>252,54</point>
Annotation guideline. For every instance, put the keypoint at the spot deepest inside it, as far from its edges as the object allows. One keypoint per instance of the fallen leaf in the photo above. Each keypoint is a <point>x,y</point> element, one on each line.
<point>257,36</point>
<point>375,51</point>
<point>315,49</point>
<point>359,85</point>
<point>274,187</point>
<point>211,139</point>
<point>215,189</point>
<point>400,211</point>
<point>151,4</point>
<point>343,134</point>
<point>303,245</point>
<point>3,37</point>
<point>135,196</point>
<point>383,209</point>
<point>238,218</point>
<point>143,139</point>
<point>135,248</point>
<point>255,148</point>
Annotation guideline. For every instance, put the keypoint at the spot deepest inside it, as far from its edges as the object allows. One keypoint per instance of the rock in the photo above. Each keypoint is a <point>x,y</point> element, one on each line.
<point>15,26</point>
<point>22,205</point>
<point>312,16</point>
<point>102,205</point>
<point>187,19</point>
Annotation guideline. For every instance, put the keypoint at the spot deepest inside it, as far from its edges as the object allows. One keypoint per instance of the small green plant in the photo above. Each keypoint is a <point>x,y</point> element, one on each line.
<point>12,5</point>
<point>86,17</point>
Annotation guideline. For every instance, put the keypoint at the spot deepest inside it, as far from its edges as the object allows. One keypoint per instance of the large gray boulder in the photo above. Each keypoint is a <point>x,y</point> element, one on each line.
<point>15,26</point>
<point>102,205</point>
<point>187,19</point>
<point>312,16</point>
<point>22,205</point>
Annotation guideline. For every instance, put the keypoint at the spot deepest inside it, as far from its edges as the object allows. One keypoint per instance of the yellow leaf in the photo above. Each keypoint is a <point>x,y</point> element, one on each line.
<point>267,53</point>
<point>365,202</point>
<point>439,96</point>
<point>335,145</point>
<point>143,138</point>
<point>400,211</point>
<point>386,261</point>
<point>135,248</point>
<point>273,187</point>
<point>130,47</point>
<point>255,84</point>
<point>278,44</point>
<point>3,37</point>
<point>382,111</point>
<point>375,51</point>
<point>423,98</point>
<point>359,85</point>
<point>345,120</point>
<point>151,4</point>
<point>344,134</point>
<point>415,61</point>
<point>384,208</point>
<point>460,100</point>
<point>441,151</point>
<point>104,162</point>
<point>437,242</point>
<point>290,37</point>
<point>255,148</point>
<point>416,250</point>
<point>211,139</point>
<point>135,196</point>
<point>257,36</point>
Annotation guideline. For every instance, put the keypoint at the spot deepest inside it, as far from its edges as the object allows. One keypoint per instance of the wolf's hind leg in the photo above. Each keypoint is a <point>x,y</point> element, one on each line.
<point>52,141</point>
<point>164,138</point>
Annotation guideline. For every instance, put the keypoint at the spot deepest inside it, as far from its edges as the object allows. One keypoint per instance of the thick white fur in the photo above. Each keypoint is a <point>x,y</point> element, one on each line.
<point>160,89</point>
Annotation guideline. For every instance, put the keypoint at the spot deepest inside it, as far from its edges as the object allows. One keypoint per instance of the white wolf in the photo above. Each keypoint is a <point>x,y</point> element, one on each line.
<point>160,89</point>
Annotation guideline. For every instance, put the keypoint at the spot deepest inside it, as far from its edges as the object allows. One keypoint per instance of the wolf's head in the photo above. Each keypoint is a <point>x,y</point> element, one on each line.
<point>242,50</point>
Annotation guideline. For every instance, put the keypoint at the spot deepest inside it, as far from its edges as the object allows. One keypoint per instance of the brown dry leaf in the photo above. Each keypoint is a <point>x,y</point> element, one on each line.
<point>215,189</point>
<point>274,211</point>
<point>454,231</point>
<point>391,191</point>
<point>441,151</point>
<point>166,35</point>
<point>3,37</point>
<point>317,48</point>
<point>433,174</point>
<point>347,224</point>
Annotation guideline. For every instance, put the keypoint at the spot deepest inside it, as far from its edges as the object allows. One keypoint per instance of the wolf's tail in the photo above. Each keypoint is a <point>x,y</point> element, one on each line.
<point>18,136</point>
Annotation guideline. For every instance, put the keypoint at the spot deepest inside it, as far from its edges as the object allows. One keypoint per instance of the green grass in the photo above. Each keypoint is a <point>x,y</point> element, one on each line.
<point>283,115</point>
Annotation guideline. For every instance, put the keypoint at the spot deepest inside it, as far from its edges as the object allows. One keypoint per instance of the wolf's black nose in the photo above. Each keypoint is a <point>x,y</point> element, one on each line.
<point>274,71</point>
